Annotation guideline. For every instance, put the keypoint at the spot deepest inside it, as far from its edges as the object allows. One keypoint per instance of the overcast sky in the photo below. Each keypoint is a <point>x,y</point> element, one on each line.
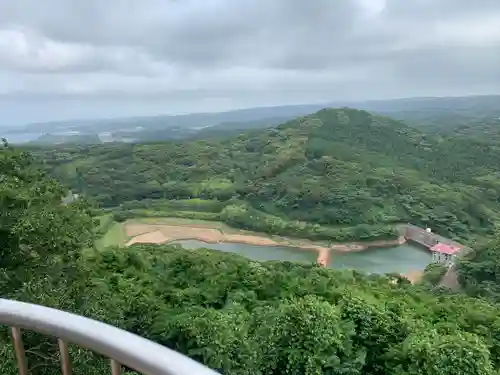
<point>63,59</point>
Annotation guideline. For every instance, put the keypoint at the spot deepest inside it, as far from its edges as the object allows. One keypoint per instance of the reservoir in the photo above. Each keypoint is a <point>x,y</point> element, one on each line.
<point>401,259</point>
<point>255,252</point>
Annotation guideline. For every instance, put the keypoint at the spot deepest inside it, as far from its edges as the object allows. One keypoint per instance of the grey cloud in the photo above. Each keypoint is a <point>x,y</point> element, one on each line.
<point>246,51</point>
<point>195,32</point>
<point>425,10</point>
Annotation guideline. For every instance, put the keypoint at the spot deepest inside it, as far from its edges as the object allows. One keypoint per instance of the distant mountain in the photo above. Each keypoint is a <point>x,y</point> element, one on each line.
<point>56,139</point>
<point>443,115</point>
<point>438,115</point>
<point>194,120</point>
<point>160,128</point>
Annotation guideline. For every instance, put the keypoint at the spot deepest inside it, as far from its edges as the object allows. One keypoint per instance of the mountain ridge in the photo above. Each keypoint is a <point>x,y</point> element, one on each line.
<point>441,115</point>
<point>334,168</point>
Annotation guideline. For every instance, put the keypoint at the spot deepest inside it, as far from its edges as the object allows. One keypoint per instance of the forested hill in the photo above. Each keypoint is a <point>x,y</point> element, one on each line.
<point>337,168</point>
<point>237,316</point>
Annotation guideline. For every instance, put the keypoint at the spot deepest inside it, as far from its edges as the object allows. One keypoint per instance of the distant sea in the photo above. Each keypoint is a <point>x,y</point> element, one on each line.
<point>19,137</point>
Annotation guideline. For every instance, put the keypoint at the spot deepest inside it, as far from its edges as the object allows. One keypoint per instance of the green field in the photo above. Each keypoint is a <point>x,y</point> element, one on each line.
<point>115,236</point>
<point>187,222</point>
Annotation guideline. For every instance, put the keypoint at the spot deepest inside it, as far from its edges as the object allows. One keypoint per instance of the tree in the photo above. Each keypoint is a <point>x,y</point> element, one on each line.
<point>38,234</point>
<point>377,328</point>
<point>306,337</point>
<point>218,338</point>
<point>40,243</point>
<point>352,173</point>
<point>479,271</point>
<point>430,352</point>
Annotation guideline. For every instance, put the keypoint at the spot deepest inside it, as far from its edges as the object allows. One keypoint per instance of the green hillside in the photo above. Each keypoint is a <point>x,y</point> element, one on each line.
<point>237,316</point>
<point>313,176</point>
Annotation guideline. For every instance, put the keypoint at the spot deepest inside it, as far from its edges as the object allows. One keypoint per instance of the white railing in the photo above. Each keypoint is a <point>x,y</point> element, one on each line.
<point>120,346</point>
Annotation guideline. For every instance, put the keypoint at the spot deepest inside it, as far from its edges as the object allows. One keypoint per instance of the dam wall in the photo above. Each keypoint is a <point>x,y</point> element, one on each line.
<point>427,239</point>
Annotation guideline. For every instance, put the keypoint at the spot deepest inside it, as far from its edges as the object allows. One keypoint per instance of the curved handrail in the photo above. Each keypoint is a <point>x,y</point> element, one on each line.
<point>129,349</point>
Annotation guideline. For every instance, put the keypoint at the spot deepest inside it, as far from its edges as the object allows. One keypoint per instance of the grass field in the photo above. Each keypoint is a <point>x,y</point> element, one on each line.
<point>186,222</point>
<point>115,236</point>
<point>105,222</point>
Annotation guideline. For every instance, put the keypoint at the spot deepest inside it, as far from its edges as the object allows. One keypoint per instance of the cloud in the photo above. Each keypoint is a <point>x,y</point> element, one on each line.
<point>25,50</point>
<point>246,52</point>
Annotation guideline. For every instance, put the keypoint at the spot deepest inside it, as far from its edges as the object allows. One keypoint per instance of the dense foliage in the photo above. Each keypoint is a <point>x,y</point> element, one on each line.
<point>337,175</point>
<point>479,272</point>
<point>244,317</point>
<point>40,243</point>
<point>235,315</point>
<point>37,232</point>
<point>434,273</point>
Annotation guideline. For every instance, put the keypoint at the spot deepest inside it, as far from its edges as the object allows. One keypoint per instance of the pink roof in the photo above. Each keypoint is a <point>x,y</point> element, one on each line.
<point>444,248</point>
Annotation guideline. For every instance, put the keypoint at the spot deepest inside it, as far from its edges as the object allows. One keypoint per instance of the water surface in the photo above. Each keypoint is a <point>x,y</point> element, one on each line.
<point>256,252</point>
<point>401,259</point>
<point>20,137</point>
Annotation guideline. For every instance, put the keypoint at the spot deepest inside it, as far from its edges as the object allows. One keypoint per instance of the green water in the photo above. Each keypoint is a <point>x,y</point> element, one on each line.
<point>401,259</point>
<point>255,252</point>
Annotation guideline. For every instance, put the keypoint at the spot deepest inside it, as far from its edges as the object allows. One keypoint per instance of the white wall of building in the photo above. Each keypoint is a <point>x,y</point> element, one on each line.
<point>447,259</point>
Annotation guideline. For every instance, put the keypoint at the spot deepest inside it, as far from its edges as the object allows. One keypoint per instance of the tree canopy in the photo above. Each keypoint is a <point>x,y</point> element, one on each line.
<point>338,174</point>
<point>333,170</point>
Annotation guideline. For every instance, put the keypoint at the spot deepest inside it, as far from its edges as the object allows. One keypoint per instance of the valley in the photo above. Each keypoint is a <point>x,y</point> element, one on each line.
<point>336,181</point>
<point>390,256</point>
<point>337,175</point>
<point>191,242</point>
<point>244,186</point>
<point>250,187</point>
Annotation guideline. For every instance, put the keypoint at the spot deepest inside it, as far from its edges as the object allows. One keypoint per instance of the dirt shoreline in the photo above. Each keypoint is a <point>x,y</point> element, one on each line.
<point>166,233</point>
<point>414,276</point>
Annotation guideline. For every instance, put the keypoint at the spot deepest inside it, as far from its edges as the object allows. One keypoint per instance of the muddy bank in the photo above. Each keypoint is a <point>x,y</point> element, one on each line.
<point>164,233</point>
<point>360,246</point>
<point>414,276</point>
<point>161,234</point>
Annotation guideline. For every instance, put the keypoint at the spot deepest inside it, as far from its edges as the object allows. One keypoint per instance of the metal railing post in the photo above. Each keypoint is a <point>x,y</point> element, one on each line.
<point>116,367</point>
<point>65,360</point>
<point>17,338</point>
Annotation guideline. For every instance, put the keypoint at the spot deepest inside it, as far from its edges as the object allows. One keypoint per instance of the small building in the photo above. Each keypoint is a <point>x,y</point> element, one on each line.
<point>443,253</point>
<point>70,198</point>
